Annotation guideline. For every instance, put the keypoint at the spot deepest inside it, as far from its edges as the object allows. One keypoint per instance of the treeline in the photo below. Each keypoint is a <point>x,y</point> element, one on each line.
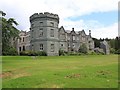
<point>113,43</point>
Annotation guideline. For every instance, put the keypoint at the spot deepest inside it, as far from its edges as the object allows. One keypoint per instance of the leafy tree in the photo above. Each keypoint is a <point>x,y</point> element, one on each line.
<point>97,42</point>
<point>8,31</point>
<point>83,49</point>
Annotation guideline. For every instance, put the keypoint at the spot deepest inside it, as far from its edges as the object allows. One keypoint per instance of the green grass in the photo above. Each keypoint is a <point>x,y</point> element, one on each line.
<point>89,71</point>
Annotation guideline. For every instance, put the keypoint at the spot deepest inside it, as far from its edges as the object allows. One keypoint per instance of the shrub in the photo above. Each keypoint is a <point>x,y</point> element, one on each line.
<point>112,50</point>
<point>117,52</point>
<point>92,53</point>
<point>41,53</point>
<point>61,52</point>
<point>33,53</point>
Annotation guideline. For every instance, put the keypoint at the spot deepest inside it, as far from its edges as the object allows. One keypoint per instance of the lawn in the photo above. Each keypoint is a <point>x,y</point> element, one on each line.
<point>87,71</point>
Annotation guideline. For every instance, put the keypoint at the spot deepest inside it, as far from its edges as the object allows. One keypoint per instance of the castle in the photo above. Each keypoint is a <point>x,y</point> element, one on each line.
<point>45,35</point>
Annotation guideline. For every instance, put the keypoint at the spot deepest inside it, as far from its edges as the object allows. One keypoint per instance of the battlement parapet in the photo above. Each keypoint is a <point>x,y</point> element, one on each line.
<point>44,15</point>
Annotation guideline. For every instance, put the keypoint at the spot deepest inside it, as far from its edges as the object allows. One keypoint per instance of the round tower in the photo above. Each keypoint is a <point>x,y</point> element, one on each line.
<point>44,33</point>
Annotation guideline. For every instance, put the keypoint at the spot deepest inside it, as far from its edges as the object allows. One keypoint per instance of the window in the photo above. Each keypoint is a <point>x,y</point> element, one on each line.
<point>41,47</point>
<point>19,48</point>
<point>62,45</point>
<point>23,39</point>
<point>68,45</point>
<point>73,37</point>
<point>41,32</point>
<point>63,36</point>
<point>23,48</point>
<point>73,45</point>
<point>41,23</point>
<point>51,24</point>
<point>52,33</point>
<point>52,47</point>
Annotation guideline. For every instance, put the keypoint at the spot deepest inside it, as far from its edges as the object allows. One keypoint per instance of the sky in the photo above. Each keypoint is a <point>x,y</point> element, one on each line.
<point>99,16</point>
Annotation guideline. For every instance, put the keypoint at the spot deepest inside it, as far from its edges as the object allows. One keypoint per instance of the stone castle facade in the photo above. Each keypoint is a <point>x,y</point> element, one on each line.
<point>45,35</point>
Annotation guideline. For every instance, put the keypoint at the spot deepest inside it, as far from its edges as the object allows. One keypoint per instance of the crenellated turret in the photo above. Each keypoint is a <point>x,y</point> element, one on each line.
<point>44,32</point>
<point>44,15</point>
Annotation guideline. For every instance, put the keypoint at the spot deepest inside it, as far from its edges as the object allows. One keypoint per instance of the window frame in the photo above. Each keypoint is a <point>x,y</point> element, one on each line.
<point>41,47</point>
<point>52,47</point>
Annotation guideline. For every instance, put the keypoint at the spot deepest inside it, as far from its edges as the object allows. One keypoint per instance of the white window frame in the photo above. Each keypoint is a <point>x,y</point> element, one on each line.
<point>41,47</point>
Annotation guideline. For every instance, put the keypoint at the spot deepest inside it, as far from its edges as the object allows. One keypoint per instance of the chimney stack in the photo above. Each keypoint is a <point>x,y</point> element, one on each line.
<point>72,29</point>
<point>90,32</point>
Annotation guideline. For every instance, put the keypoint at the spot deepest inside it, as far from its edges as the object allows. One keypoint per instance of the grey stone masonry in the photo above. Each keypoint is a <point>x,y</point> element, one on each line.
<point>45,35</point>
<point>104,45</point>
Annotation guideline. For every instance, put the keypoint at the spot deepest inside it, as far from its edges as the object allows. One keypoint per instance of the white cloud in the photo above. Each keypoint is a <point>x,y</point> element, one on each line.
<point>106,32</point>
<point>21,10</point>
<point>98,29</point>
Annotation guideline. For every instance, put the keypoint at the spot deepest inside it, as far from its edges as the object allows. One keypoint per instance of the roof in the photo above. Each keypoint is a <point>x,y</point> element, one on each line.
<point>68,31</point>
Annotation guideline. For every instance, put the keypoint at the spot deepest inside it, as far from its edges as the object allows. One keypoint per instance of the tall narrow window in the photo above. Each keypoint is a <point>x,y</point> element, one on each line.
<point>23,39</point>
<point>52,32</point>
<point>20,49</point>
<point>41,32</point>
<point>23,48</point>
<point>41,47</point>
<point>52,47</point>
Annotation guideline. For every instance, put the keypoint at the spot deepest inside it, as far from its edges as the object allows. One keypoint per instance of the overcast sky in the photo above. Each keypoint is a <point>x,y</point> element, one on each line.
<point>100,16</point>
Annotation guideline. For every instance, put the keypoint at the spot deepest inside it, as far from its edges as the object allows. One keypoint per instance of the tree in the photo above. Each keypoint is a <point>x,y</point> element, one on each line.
<point>97,42</point>
<point>83,49</point>
<point>8,31</point>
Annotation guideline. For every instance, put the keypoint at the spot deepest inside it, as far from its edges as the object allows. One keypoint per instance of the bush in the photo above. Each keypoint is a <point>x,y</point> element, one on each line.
<point>92,53</point>
<point>117,52</point>
<point>41,53</point>
<point>112,50</point>
<point>95,53</point>
<point>62,53</point>
<point>33,53</point>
